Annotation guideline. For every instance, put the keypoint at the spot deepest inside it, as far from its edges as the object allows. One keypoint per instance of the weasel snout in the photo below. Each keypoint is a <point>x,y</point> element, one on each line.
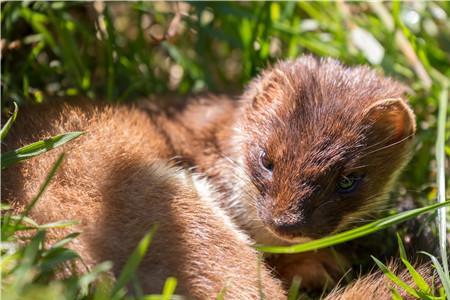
<point>290,228</point>
<point>288,225</point>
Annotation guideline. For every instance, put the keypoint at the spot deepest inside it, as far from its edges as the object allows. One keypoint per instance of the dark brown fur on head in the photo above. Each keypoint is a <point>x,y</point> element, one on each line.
<point>309,123</point>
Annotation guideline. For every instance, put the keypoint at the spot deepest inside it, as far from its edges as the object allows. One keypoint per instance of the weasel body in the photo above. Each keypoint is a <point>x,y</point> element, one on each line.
<point>310,148</point>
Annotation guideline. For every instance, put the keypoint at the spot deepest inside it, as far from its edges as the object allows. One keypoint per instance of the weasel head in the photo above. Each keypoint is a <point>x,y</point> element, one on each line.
<point>321,145</point>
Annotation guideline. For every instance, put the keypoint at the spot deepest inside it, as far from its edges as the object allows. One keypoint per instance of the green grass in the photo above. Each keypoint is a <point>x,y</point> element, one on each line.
<point>121,52</point>
<point>352,234</point>
<point>36,148</point>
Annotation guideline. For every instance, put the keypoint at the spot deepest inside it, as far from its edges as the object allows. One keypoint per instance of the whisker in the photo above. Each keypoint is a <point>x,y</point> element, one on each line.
<point>234,163</point>
<point>360,167</point>
<point>388,146</point>
<point>378,143</point>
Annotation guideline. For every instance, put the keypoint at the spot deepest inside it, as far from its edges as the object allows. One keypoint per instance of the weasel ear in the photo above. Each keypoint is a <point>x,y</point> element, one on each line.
<point>268,87</point>
<point>391,120</point>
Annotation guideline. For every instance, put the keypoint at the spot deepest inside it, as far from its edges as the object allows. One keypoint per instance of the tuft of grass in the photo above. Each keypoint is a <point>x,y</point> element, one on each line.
<point>421,290</point>
<point>445,277</point>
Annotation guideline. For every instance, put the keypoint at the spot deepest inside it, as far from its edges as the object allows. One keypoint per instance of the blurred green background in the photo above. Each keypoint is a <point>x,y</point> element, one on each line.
<point>124,51</point>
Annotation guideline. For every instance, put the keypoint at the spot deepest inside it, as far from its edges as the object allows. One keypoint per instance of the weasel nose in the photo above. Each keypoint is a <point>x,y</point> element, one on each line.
<point>291,227</point>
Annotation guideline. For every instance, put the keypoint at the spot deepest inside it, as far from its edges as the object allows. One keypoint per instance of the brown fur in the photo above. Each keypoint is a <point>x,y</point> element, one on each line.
<point>316,120</point>
<point>119,198</point>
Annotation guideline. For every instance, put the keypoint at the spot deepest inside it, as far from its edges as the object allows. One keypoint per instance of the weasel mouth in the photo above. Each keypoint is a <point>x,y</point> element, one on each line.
<point>290,238</point>
<point>296,232</point>
<point>293,229</point>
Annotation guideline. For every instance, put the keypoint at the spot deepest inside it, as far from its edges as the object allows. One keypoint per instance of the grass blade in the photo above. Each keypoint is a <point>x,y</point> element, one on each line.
<point>353,233</point>
<point>58,224</point>
<point>445,277</point>
<point>85,280</point>
<point>440,165</point>
<point>222,293</point>
<point>28,221</point>
<point>24,273</point>
<point>169,288</point>
<point>396,295</point>
<point>160,297</point>
<point>395,279</point>
<point>41,190</point>
<point>294,288</point>
<point>129,270</point>
<point>36,148</point>
<point>417,278</point>
<point>5,129</point>
<point>55,257</point>
<point>67,239</point>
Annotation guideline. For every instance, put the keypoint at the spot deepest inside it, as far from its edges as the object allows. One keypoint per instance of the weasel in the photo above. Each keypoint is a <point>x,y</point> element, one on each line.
<point>310,148</point>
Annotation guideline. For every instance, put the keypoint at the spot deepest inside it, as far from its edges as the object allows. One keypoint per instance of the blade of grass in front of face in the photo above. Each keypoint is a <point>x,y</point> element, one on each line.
<point>440,165</point>
<point>41,190</point>
<point>445,277</point>
<point>353,233</point>
<point>129,270</point>
<point>11,157</point>
<point>418,279</point>
<point>7,126</point>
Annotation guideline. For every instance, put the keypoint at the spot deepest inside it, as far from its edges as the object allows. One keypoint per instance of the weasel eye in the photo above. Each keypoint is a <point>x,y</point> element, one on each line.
<point>348,184</point>
<point>265,161</point>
